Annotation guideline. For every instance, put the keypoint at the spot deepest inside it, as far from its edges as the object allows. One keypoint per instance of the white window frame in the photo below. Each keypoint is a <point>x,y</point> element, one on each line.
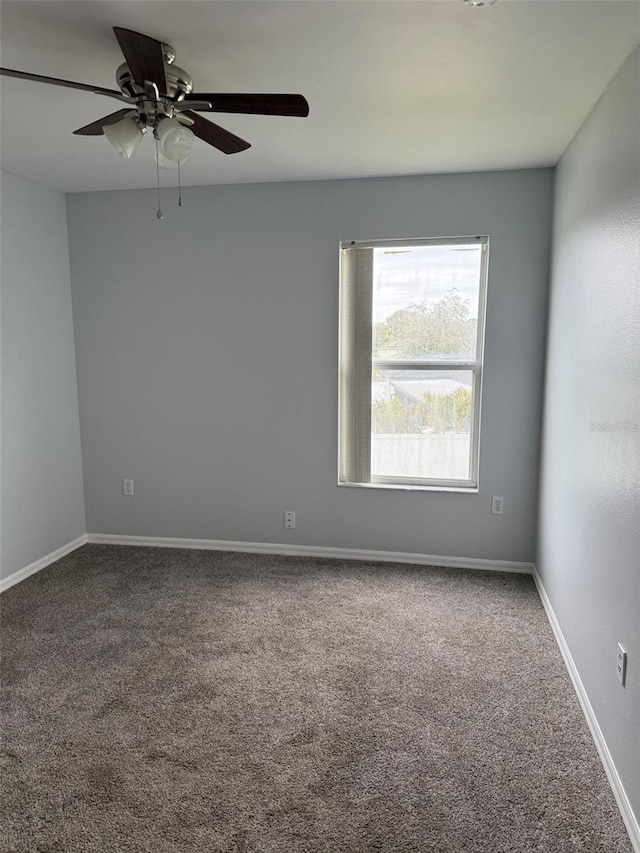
<point>356,364</point>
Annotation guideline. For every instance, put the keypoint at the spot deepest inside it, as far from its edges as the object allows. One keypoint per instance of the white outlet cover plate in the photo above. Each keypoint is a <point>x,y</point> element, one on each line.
<point>621,664</point>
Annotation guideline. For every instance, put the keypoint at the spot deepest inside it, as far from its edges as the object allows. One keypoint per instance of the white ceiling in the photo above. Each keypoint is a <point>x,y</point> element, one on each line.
<point>395,88</point>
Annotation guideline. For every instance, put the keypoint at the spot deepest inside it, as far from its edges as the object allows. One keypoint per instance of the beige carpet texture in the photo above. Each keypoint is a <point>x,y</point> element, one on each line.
<point>178,701</point>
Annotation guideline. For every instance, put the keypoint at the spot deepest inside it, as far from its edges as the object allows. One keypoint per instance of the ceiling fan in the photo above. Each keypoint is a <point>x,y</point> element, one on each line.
<point>159,96</point>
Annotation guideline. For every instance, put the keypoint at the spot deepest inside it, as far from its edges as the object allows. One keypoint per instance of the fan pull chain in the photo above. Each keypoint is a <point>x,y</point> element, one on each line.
<point>159,214</point>
<point>180,204</point>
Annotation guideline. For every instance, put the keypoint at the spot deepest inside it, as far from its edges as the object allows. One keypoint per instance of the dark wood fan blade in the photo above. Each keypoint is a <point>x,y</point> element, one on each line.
<point>215,135</point>
<point>265,105</point>
<point>55,81</point>
<point>95,128</point>
<point>144,57</point>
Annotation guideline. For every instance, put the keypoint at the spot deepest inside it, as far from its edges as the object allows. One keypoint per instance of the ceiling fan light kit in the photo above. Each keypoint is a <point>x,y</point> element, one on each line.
<point>159,96</point>
<point>125,135</point>
<point>175,141</point>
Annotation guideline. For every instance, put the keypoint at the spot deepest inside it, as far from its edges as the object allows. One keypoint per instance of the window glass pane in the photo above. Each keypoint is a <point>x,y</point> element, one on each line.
<point>425,302</point>
<point>421,423</point>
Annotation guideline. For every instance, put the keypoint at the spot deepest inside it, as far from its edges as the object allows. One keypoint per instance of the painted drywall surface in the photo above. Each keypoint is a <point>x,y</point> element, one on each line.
<point>42,490</point>
<point>589,539</point>
<point>207,360</point>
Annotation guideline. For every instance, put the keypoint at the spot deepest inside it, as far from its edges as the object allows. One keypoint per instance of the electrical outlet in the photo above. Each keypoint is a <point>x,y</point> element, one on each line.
<point>621,665</point>
<point>497,505</point>
<point>127,487</point>
<point>289,518</point>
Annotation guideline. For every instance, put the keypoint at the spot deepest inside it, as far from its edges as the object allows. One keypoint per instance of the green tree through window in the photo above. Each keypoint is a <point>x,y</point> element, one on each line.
<point>440,328</point>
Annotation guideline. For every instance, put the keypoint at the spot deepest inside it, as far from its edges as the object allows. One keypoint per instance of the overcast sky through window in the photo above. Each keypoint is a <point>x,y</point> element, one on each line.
<point>406,275</point>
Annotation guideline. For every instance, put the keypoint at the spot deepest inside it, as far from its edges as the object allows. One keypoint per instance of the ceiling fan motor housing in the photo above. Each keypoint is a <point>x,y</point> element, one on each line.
<point>179,83</point>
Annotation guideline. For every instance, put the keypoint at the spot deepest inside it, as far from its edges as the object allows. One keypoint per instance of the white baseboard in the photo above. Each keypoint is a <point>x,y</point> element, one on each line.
<point>630,819</point>
<point>312,551</point>
<point>42,563</point>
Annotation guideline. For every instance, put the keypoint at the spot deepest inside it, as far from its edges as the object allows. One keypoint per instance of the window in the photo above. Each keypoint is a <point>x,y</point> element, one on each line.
<point>411,344</point>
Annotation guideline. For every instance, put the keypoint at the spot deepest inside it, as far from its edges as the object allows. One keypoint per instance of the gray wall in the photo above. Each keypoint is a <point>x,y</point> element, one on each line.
<point>42,499</point>
<point>207,360</point>
<point>589,540</point>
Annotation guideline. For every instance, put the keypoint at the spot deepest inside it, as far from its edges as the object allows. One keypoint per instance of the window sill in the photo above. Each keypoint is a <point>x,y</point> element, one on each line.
<point>460,490</point>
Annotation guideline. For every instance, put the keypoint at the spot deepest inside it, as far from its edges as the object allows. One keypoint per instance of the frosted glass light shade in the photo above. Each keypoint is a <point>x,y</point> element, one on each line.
<point>124,135</point>
<point>164,162</point>
<point>175,142</point>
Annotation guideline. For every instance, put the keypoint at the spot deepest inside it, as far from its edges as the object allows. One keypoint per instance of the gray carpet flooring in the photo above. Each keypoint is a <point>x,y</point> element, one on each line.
<point>177,701</point>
